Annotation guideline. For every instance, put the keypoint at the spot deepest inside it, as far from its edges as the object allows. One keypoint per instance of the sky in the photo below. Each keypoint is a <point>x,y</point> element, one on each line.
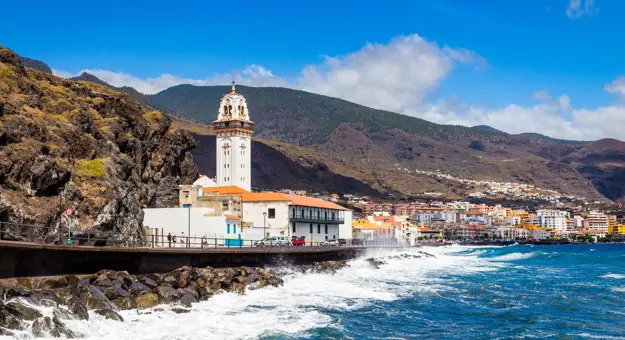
<point>554,67</point>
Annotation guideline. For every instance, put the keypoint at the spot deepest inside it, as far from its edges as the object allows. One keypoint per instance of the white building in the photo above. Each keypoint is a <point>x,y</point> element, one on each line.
<point>192,225</point>
<point>552,212</point>
<point>597,222</point>
<point>234,131</point>
<point>557,222</point>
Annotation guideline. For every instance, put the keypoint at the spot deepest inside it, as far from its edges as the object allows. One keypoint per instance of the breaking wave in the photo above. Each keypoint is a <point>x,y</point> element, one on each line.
<point>613,276</point>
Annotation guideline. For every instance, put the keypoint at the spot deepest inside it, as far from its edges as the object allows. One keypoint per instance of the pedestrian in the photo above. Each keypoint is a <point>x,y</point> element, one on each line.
<point>182,240</point>
<point>169,239</point>
<point>203,242</point>
<point>173,240</point>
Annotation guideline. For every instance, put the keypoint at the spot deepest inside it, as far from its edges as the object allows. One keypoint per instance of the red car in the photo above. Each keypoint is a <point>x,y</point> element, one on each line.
<point>298,241</point>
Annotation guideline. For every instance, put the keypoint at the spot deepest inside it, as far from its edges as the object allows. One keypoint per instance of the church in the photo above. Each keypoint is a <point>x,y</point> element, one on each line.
<point>229,195</point>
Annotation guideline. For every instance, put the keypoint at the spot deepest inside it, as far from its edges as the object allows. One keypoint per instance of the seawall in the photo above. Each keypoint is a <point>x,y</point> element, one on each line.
<point>19,259</point>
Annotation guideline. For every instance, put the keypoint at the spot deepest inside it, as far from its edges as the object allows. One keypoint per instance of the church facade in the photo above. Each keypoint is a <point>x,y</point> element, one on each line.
<point>234,131</point>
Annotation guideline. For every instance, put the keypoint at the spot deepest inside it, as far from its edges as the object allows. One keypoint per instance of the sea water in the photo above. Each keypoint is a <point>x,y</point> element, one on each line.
<point>535,292</point>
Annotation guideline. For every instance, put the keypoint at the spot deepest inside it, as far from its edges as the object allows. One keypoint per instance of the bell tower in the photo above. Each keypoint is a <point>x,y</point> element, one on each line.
<point>234,130</point>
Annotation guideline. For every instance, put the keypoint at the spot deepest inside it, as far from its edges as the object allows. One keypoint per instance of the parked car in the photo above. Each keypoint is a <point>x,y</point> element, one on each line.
<point>298,241</point>
<point>274,241</point>
<point>342,242</point>
<point>331,243</point>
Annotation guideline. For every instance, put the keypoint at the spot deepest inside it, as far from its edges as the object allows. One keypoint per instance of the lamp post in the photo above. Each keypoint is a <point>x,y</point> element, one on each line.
<point>189,227</point>
<point>264,224</point>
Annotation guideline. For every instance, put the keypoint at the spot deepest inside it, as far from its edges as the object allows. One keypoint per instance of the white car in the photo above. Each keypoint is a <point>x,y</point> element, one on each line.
<point>274,241</point>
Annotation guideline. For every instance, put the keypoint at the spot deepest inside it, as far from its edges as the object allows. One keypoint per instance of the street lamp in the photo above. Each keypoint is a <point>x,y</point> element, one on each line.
<point>264,224</point>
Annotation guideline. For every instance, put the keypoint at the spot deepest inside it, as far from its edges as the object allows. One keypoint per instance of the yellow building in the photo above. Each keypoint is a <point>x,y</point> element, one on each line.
<point>616,229</point>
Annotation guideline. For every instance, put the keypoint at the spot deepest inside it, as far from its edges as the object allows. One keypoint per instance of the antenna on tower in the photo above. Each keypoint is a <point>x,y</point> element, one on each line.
<point>233,84</point>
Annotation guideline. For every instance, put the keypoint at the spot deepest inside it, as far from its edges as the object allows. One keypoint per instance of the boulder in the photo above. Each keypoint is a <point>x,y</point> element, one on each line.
<point>137,287</point>
<point>94,298</point>
<point>149,282</point>
<point>166,294</point>
<point>11,292</point>
<point>170,279</point>
<point>78,308</point>
<point>180,310</point>
<point>22,308</point>
<point>6,332</point>
<point>62,314</point>
<point>103,281</point>
<point>242,279</point>
<point>147,300</point>
<point>187,299</point>
<point>190,291</point>
<point>42,326</point>
<point>44,297</point>
<point>251,274</point>
<point>8,320</point>
<point>60,330</point>
<point>48,303</point>
<point>236,287</point>
<point>109,314</point>
<point>124,303</point>
<point>115,292</point>
<point>275,281</point>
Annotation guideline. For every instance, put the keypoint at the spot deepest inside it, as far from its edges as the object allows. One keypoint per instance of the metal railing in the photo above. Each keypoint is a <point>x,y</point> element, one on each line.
<point>53,235</point>
<point>305,218</point>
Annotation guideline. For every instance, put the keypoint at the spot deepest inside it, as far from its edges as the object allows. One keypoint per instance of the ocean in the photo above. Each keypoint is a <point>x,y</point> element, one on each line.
<point>533,292</point>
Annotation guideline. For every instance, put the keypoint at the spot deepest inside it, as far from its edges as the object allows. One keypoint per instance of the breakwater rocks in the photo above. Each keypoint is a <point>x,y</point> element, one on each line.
<point>376,262</point>
<point>42,305</point>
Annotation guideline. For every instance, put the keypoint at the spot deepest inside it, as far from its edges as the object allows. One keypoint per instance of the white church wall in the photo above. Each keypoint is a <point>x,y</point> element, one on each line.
<point>179,220</point>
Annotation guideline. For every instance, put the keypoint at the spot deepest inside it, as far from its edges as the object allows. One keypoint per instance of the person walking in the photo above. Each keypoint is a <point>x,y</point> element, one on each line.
<point>173,240</point>
<point>169,239</point>
<point>182,240</point>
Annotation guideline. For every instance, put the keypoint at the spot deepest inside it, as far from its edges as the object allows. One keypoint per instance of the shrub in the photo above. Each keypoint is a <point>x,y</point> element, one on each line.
<point>93,168</point>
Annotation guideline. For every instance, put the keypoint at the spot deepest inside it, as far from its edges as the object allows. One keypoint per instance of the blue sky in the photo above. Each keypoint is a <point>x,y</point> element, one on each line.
<point>518,48</point>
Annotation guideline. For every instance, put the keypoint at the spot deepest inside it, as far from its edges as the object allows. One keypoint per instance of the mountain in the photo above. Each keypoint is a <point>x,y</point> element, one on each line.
<point>36,64</point>
<point>80,145</point>
<point>383,148</point>
<point>488,129</point>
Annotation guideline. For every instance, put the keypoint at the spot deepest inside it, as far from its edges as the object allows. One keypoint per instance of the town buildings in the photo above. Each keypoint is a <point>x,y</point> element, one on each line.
<point>225,208</point>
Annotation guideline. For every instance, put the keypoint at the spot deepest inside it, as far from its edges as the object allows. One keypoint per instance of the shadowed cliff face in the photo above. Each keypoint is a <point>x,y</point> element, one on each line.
<point>272,170</point>
<point>109,156</point>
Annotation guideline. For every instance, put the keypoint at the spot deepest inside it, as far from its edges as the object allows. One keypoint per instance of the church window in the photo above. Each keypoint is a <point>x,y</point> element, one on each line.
<point>326,229</point>
<point>311,230</point>
<point>318,228</point>
<point>272,213</point>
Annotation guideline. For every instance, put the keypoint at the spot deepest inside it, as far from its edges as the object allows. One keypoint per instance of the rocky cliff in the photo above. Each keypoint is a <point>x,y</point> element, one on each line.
<point>79,145</point>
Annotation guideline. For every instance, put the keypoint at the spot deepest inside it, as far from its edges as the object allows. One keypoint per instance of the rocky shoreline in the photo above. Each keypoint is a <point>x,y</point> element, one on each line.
<point>106,292</point>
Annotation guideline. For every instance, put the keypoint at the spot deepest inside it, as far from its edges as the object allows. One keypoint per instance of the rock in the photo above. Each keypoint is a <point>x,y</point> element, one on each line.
<point>42,326</point>
<point>115,292</point>
<point>375,263</point>
<point>16,292</point>
<point>63,314</point>
<point>190,291</point>
<point>149,282</point>
<point>78,308</point>
<point>275,281</point>
<point>103,281</point>
<point>242,279</point>
<point>236,287</point>
<point>6,332</point>
<point>94,298</point>
<point>170,279</point>
<point>147,300</point>
<point>137,288</point>
<point>187,299</point>
<point>45,297</point>
<point>180,310</point>
<point>252,274</point>
<point>124,303</point>
<point>226,276</point>
<point>200,283</point>
<point>8,320</point>
<point>166,294</point>
<point>48,303</point>
<point>109,314</point>
<point>60,330</point>
<point>22,308</point>
<point>83,283</point>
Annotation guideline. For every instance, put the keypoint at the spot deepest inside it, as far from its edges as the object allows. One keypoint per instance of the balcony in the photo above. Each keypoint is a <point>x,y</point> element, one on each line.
<point>306,218</point>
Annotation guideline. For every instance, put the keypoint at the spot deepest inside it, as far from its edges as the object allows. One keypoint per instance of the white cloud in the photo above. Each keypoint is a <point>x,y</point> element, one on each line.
<point>579,8</point>
<point>398,76</point>
<point>394,76</point>
<point>253,75</point>
<point>617,87</point>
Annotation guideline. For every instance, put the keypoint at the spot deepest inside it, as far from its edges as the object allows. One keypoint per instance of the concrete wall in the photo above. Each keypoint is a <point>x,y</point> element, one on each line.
<point>29,259</point>
<point>345,229</point>
<point>176,222</point>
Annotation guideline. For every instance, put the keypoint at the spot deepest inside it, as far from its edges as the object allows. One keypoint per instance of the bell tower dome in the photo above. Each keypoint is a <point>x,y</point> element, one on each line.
<point>234,130</point>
